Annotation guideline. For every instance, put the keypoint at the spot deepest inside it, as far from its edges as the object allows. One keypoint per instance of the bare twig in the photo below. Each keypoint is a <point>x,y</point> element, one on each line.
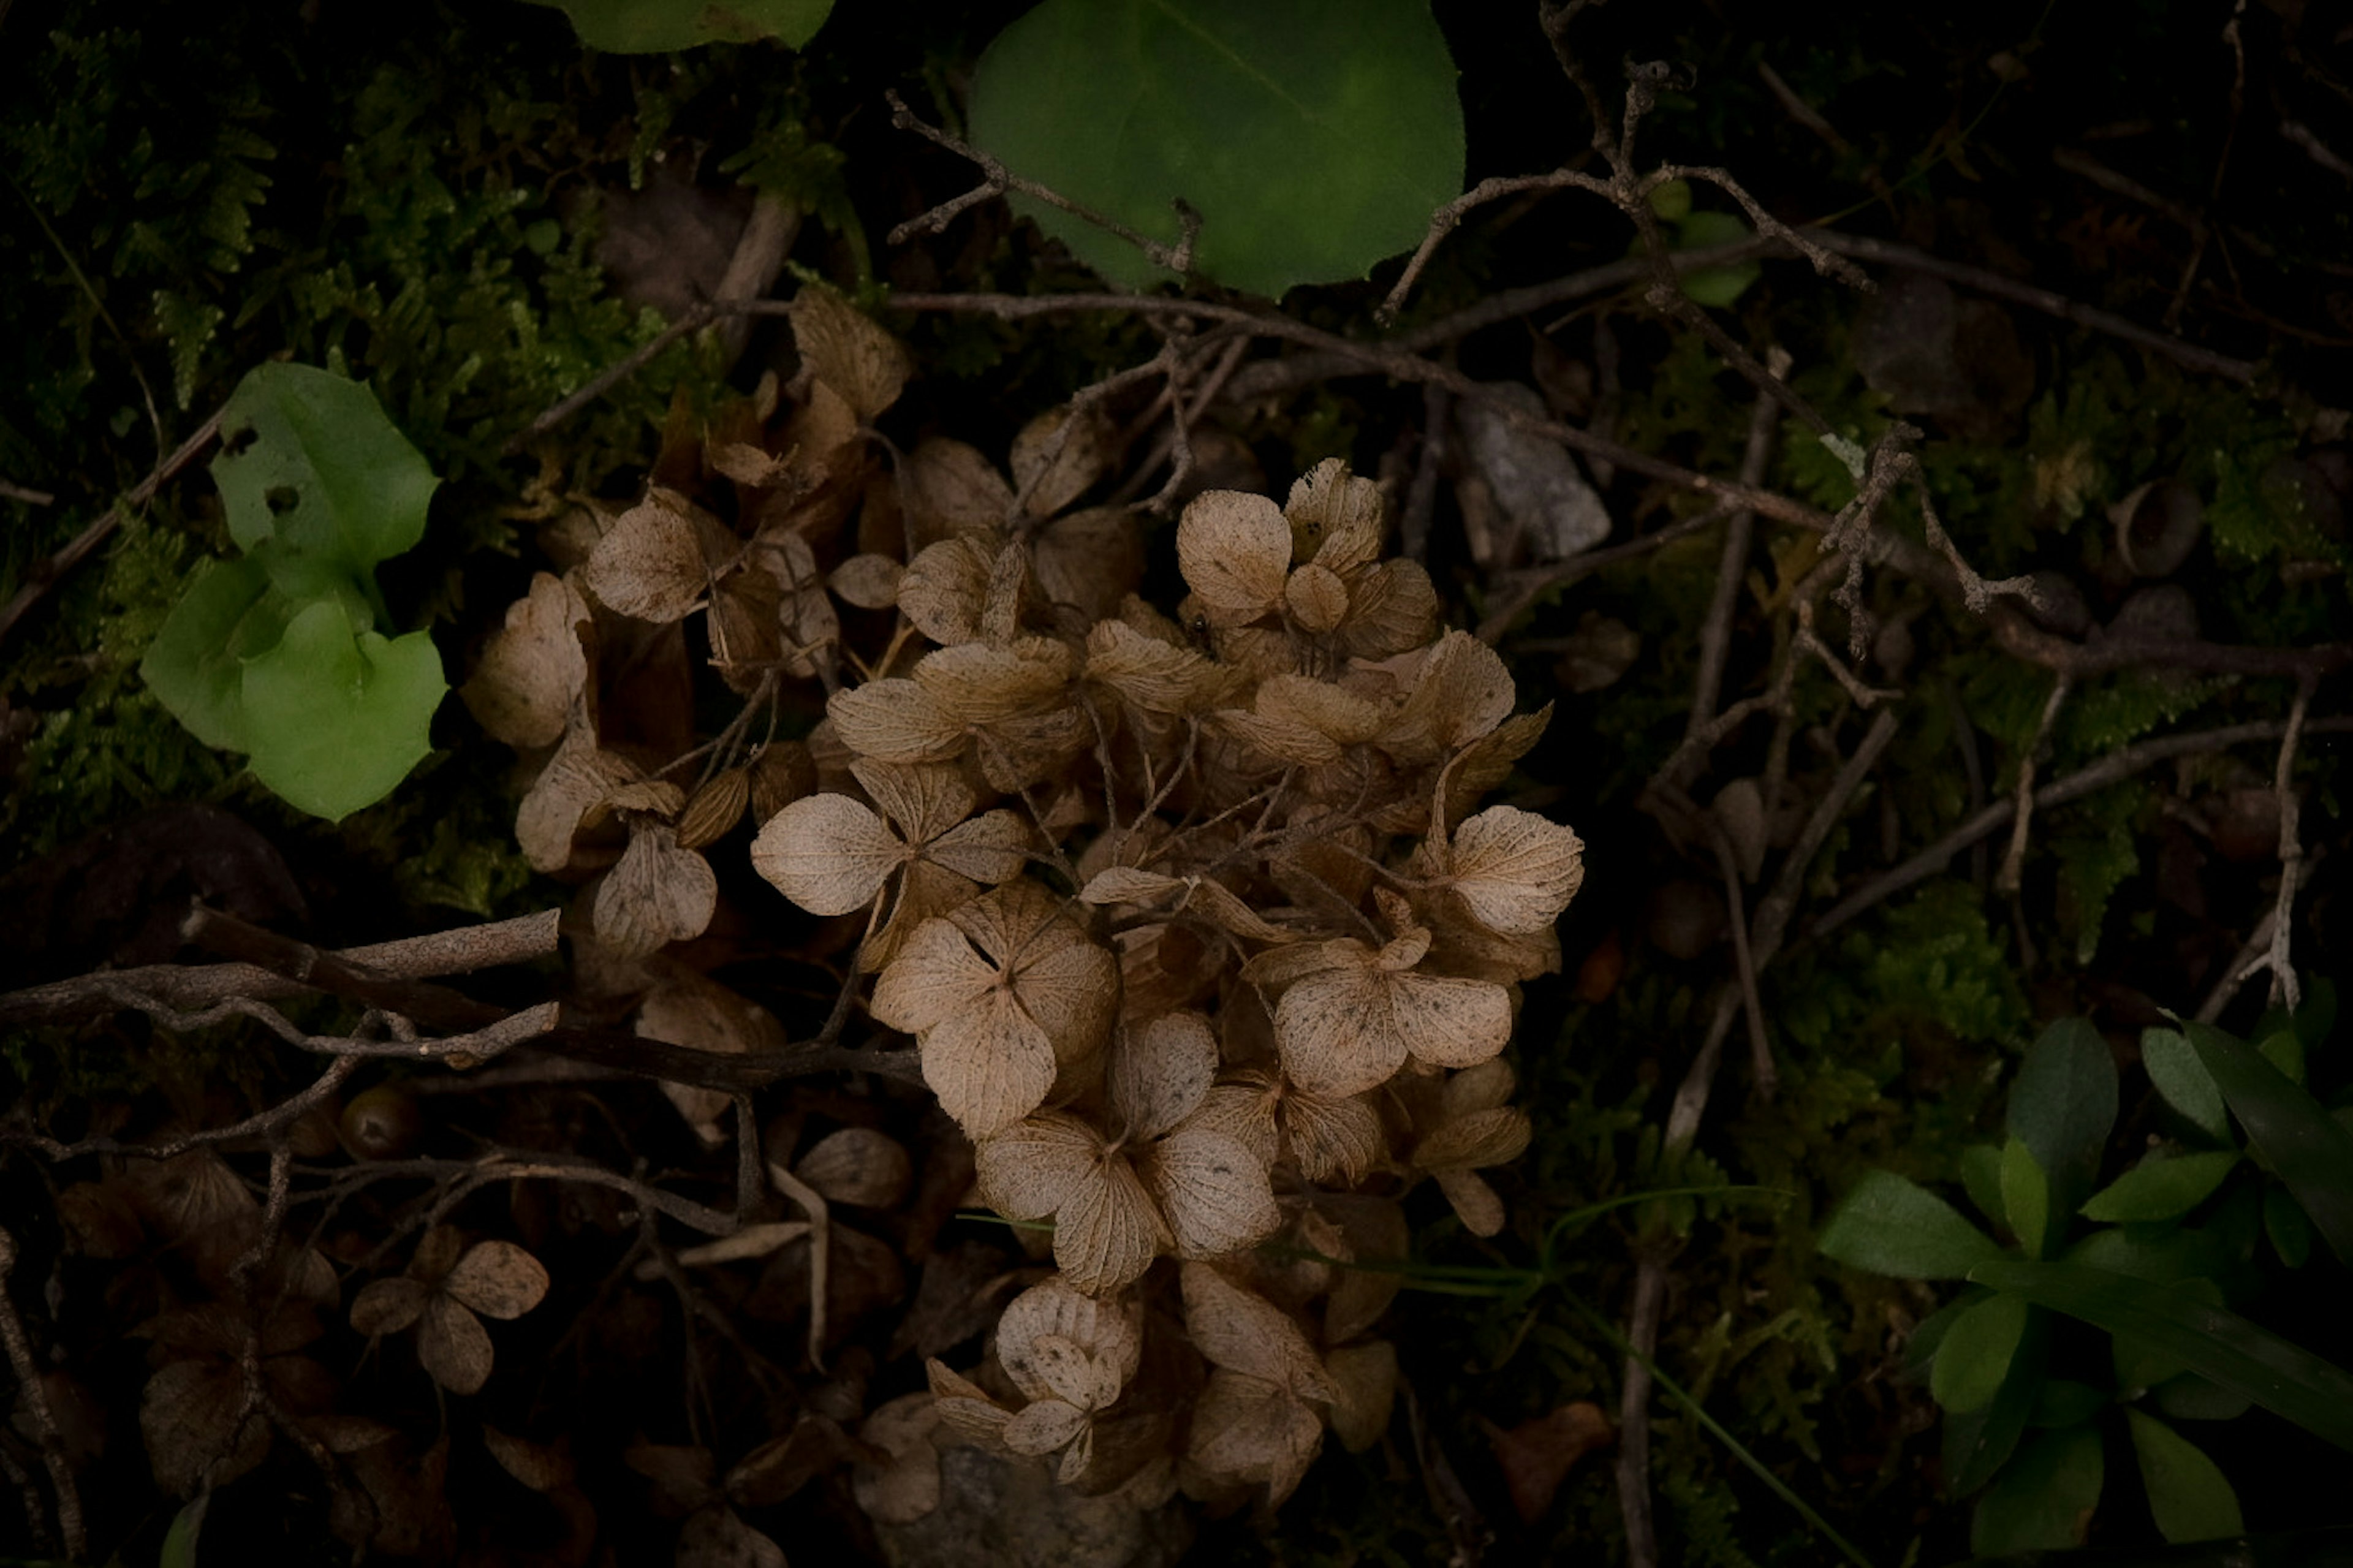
<point>2285,988</point>
<point>2013,860</point>
<point>820,1243</point>
<point>1444,220</point>
<point>45,575</point>
<point>2111,769</point>
<point>1732,565</point>
<point>1760,1050</point>
<point>29,497</point>
<point>33,1398</point>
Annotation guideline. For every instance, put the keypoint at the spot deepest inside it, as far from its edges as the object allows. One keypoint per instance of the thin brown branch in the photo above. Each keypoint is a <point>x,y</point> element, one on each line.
<point>33,1398</point>
<point>44,575</point>
<point>2013,860</point>
<point>1444,221</point>
<point>267,1123</point>
<point>1760,1050</point>
<point>2113,768</point>
<point>29,497</point>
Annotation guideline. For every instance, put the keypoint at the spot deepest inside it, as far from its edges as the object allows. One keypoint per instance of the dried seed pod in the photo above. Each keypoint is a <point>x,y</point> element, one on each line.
<point>2157,526</point>
<point>381,1123</point>
<point>714,809</point>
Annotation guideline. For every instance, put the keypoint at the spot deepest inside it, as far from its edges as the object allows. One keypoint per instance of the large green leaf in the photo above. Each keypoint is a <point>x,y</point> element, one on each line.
<point>337,717</point>
<point>2061,1107</point>
<point>2160,1189</point>
<point>2310,1149</point>
<point>2186,1491</point>
<point>1978,1443</point>
<point>2217,1344</point>
<point>2044,1496</point>
<point>2025,1198</point>
<point>2173,1065</point>
<point>1975,1356</point>
<point>195,666</point>
<point>1313,139</point>
<point>1891,1226</point>
<point>659,27</point>
<point>310,468</point>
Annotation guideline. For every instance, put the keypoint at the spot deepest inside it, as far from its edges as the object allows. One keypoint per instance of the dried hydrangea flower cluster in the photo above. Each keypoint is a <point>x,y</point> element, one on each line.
<point>1242,942</point>
<point>1196,929</point>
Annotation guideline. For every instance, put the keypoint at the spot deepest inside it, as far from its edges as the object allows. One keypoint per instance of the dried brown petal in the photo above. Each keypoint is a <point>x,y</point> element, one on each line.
<point>534,668</point>
<point>1480,1210</point>
<point>714,809</point>
<point>858,1166</point>
<point>1333,1137</point>
<point>908,1487</point>
<point>992,847</point>
<point>1516,870</point>
<point>1391,607</point>
<point>1149,674</point>
<point>983,685</point>
<point>388,1306</point>
<point>783,774</point>
<point>951,490</point>
<point>1243,1332</point>
<point>1089,562</point>
<point>1365,1377</point>
<point>1347,1029</point>
<point>1214,1192</point>
<point>827,854</point>
<point>965,1408</point>
<point>1107,1234</point>
<point>864,364</point>
<point>658,894</point>
<point>1109,1330</point>
<point>895,720</point>
<point>1254,1432</point>
<point>1160,1072</point>
<point>1336,520</point>
<point>1044,1427</point>
<point>1059,455</point>
<point>1316,598</point>
<point>649,563</point>
<point>454,1347</point>
<point>1235,552</point>
<point>497,1278</point>
<point>536,1466</point>
<point>576,780</point>
<point>1536,1455</point>
<point>867,581</point>
<point>946,589</point>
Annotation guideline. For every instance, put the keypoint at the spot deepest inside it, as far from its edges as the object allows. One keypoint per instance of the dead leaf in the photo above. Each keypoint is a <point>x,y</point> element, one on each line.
<point>1537,1455</point>
<point>864,365</point>
<point>858,1166</point>
<point>658,894</point>
<point>534,668</point>
<point>648,565</point>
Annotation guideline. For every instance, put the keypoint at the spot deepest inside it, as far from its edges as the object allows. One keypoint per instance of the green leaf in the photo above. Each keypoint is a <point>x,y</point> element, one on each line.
<point>659,27</point>
<point>311,467</point>
<point>1981,1179</point>
<point>2285,1051</point>
<point>1975,1357</point>
<point>2141,1366</point>
<point>2064,1402</point>
<point>337,717</point>
<point>1717,287</point>
<point>1891,1226</point>
<point>2186,1491</point>
<point>180,1540</point>
<point>2219,1346</point>
<point>2174,1068</point>
<point>1312,140</point>
<point>2284,1223</point>
<point>2025,1198</point>
<point>195,666</point>
<point>2061,1107</point>
<point>2190,1397</point>
<point>1928,1335</point>
<point>2044,1498</point>
<point>2160,1189</point>
<point>2311,1150</point>
<point>1978,1443</point>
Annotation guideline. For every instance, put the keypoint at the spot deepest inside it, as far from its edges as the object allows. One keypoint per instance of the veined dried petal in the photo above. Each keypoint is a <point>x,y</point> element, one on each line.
<point>658,894</point>
<point>922,800</point>
<point>865,365</point>
<point>1345,1030</point>
<point>1160,1072</point>
<point>1108,1233</point>
<point>983,685</point>
<point>1481,1087</point>
<point>1336,520</point>
<point>1128,885</point>
<point>1032,1168</point>
<point>497,1278</point>
<point>953,490</point>
<point>1391,607</point>
<point>576,780</point>
<point>658,797</point>
<point>1234,550</point>
<point>1254,1432</point>
<point>1316,597</point>
<point>534,668</point>
<point>1059,455</point>
<point>992,847</point>
<point>1043,1426</point>
<point>827,854</point>
<point>868,582</point>
<point>1365,1378</point>
<point>858,1166</point>
<point>946,587</point>
<point>1480,1210</point>
<point>965,1407</point>
<point>648,565</point>
<point>713,810</point>
<point>1243,1332</point>
<point>1089,560</point>
<point>1491,1137</point>
<point>1333,1136</point>
<point>895,720</point>
<point>1214,1193</point>
<point>1516,870</point>
<point>1149,674</point>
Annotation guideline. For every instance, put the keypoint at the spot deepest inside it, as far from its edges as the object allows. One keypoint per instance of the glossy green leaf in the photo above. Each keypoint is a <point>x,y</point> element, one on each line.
<point>2217,1344</point>
<point>2025,1198</point>
<point>2186,1491</point>
<point>2044,1496</point>
<point>1891,1226</point>
<point>2141,1366</point>
<point>311,465</point>
<point>1978,1443</point>
<point>1717,287</point>
<point>336,718</point>
<point>2160,1256</point>
<point>195,666</point>
<point>1928,1334</point>
<point>659,27</point>
<point>2063,1402</point>
<point>2174,1068</point>
<point>2285,1051</point>
<point>1981,1179</point>
<point>2190,1397</point>
<point>2061,1107</point>
<point>1975,1357</point>
<point>1312,140</point>
<point>2311,1150</point>
<point>180,1540</point>
<point>2284,1223</point>
<point>2160,1189</point>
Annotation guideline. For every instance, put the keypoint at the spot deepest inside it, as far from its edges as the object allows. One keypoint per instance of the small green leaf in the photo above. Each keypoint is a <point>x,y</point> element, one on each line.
<point>1981,1179</point>
<point>2025,1198</point>
<point>2174,1068</point>
<point>1928,1336</point>
<point>1891,1226</point>
<point>336,719</point>
<point>1312,140</point>
<point>659,27</point>
<point>2219,1346</point>
<point>195,666</point>
<point>2067,1402</point>
<point>310,464</point>
<point>1670,200</point>
<point>180,1540</point>
<point>2141,1366</point>
<point>1976,1351</point>
<point>2160,1189</point>
<point>2186,1491</point>
<point>1715,287</point>
<point>2311,1150</point>
<point>2044,1498</point>
<point>2284,1223</point>
<point>2061,1107</point>
<point>2190,1397</point>
<point>2285,1051</point>
<point>1978,1443</point>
